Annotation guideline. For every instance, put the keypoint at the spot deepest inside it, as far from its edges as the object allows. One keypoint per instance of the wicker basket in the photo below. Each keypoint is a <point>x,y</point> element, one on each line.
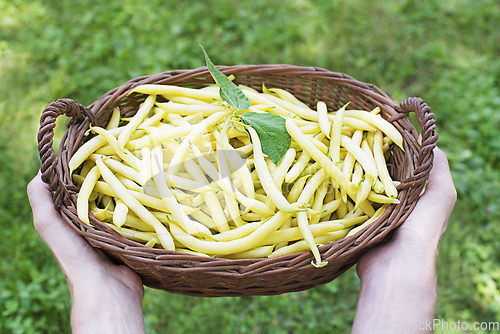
<point>201,276</point>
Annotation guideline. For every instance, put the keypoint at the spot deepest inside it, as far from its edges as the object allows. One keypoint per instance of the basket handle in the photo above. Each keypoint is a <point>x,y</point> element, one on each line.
<point>428,140</point>
<point>50,170</point>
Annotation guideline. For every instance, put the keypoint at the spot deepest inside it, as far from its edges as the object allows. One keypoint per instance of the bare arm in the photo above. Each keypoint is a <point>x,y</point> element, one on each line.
<point>398,280</point>
<point>106,298</point>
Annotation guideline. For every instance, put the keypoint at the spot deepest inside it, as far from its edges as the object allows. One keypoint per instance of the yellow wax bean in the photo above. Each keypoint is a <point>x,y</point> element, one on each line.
<point>379,198</point>
<point>120,213</point>
<point>310,129</point>
<point>133,221</point>
<point>377,215</point>
<point>363,190</point>
<point>108,201</point>
<point>186,100</point>
<point>386,148</point>
<point>244,150</point>
<point>297,188</point>
<point>251,217</point>
<point>157,203</point>
<point>380,123</point>
<point>105,150</point>
<point>236,163</point>
<point>167,90</point>
<point>182,109</point>
<point>301,111</point>
<point>238,232</point>
<point>101,214</point>
<point>150,121</point>
<point>318,143</point>
<point>188,184</point>
<point>233,246</point>
<point>158,137</point>
<point>317,155</point>
<point>299,166</point>
<point>338,120</point>
<point>168,198</point>
<point>385,178</point>
<point>285,95</point>
<point>151,243</point>
<point>125,232</point>
<point>82,202</point>
<point>145,169</point>
<point>303,123</point>
<point>293,233</point>
<point>118,167</point>
<point>136,120</point>
<point>88,148</point>
<point>281,107</point>
<point>134,205</point>
<point>358,124</point>
<point>318,201</point>
<point>357,174</point>
<point>301,246</point>
<point>378,187</point>
<point>369,140</point>
<point>114,121</point>
<point>144,199</point>
<point>281,171</point>
<point>367,148</point>
<point>197,131</point>
<point>259,252</point>
<point>311,169</point>
<point>223,181</point>
<point>266,179</point>
<point>368,164</point>
<point>349,161</point>
<point>210,198</point>
<point>124,154</point>
<point>139,236</point>
<point>228,187</point>
<point>324,122</point>
<point>326,163</point>
<point>151,190</point>
<point>204,219</point>
<point>87,166</point>
<point>302,220</point>
<point>342,207</point>
<point>128,183</point>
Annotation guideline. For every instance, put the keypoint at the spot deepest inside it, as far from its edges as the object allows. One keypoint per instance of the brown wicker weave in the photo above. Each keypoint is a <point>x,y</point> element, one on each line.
<point>201,276</point>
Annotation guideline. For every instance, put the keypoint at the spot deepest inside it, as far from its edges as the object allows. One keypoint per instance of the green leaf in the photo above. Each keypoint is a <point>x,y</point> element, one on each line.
<point>274,138</point>
<point>228,91</point>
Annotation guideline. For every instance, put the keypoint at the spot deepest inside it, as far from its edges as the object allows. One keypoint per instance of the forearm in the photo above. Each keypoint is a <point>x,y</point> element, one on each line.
<point>100,310</point>
<point>401,299</point>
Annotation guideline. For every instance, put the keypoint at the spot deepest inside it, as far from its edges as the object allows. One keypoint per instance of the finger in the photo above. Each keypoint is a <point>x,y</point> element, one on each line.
<point>440,194</point>
<point>70,249</point>
<point>434,207</point>
<point>440,181</point>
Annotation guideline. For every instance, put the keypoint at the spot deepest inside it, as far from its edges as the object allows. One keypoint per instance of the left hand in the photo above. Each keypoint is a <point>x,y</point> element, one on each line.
<point>107,298</point>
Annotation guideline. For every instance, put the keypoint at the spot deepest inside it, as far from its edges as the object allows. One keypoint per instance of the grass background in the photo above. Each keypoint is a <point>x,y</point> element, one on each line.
<point>443,51</point>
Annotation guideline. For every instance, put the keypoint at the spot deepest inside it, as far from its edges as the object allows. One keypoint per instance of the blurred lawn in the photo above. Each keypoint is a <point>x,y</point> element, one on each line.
<point>443,51</point>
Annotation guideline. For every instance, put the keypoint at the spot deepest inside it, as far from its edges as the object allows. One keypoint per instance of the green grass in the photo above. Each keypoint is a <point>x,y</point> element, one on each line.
<point>443,51</point>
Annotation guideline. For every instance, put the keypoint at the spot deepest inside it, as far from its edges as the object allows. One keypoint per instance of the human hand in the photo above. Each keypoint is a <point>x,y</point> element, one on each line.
<point>398,279</point>
<point>106,298</point>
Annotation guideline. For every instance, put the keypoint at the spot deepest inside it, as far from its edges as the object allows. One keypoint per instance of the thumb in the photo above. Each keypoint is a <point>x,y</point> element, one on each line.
<point>429,218</point>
